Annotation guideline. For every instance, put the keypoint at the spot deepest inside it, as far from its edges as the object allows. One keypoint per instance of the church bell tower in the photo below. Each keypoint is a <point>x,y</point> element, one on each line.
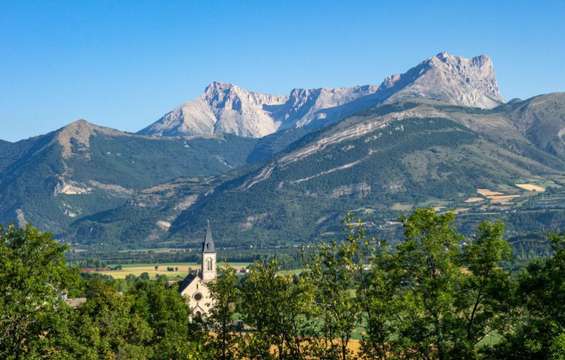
<point>208,270</point>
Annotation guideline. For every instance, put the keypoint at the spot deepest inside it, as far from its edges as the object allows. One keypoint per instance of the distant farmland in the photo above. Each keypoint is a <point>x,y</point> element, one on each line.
<point>178,269</point>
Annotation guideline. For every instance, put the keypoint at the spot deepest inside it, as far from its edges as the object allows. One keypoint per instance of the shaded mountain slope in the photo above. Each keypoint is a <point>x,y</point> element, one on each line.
<point>82,169</point>
<point>542,120</point>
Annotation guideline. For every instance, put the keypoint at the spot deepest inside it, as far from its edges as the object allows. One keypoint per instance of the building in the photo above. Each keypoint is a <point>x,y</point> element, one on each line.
<point>194,287</point>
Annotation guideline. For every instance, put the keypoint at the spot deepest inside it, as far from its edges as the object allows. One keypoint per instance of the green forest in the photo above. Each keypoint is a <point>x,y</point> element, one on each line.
<point>434,293</point>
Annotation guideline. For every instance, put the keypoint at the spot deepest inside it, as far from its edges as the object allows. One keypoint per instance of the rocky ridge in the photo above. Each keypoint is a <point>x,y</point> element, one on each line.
<point>227,108</point>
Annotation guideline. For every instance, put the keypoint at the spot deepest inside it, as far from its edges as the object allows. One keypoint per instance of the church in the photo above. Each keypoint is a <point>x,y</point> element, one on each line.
<point>194,287</point>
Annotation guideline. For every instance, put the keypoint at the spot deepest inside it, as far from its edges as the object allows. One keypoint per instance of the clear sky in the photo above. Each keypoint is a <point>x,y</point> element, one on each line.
<point>125,63</point>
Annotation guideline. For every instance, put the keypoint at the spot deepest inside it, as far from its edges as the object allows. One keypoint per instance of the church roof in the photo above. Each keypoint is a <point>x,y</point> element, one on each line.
<point>208,244</point>
<point>187,280</point>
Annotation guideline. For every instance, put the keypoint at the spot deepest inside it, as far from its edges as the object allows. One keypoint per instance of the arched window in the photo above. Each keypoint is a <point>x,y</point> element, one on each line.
<point>209,264</point>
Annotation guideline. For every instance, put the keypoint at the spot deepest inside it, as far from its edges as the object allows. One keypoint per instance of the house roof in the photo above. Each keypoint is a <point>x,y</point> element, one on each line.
<point>208,244</point>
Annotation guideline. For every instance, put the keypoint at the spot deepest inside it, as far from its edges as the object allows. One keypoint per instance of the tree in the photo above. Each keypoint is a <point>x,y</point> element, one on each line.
<point>148,321</point>
<point>438,295</point>
<point>334,271</point>
<point>539,333</point>
<point>224,293</point>
<point>377,297</point>
<point>167,314</point>
<point>107,326</point>
<point>33,281</point>
<point>483,302</point>
<point>278,308</point>
<point>428,273</point>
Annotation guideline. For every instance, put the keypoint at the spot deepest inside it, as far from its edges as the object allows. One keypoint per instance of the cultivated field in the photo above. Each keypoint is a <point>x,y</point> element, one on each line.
<point>489,193</point>
<point>179,269</point>
<point>531,187</point>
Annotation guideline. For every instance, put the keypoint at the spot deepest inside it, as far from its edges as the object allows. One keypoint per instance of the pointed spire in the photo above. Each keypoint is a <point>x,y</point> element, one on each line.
<point>208,244</point>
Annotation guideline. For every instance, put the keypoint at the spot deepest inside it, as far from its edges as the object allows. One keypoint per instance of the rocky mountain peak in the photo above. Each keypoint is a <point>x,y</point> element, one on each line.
<point>79,123</point>
<point>479,66</point>
<point>218,95</point>
<point>308,106</point>
<point>448,78</point>
<point>82,126</point>
<point>216,86</point>
<point>218,89</point>
<point>222,108</point>
<point>77,134</point>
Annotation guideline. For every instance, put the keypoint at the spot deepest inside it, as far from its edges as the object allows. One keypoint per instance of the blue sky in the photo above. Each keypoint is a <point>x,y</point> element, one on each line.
<point>124,63</point>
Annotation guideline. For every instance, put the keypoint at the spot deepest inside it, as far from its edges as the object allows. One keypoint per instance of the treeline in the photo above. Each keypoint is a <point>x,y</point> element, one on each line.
<point>436,294</point>
<point>290,257</point>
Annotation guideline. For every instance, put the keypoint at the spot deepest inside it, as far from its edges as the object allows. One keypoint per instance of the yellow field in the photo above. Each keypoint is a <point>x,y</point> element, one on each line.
<point>355,346</point>
<point>138,269</point>
<point>531,187</point>
<point>500,199</point>
<point>487,192</point>
<point>495,197</point>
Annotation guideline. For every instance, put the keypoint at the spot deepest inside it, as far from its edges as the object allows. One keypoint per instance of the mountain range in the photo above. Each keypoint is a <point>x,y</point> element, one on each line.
<point>283,170</point>
<point>226,108</point>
